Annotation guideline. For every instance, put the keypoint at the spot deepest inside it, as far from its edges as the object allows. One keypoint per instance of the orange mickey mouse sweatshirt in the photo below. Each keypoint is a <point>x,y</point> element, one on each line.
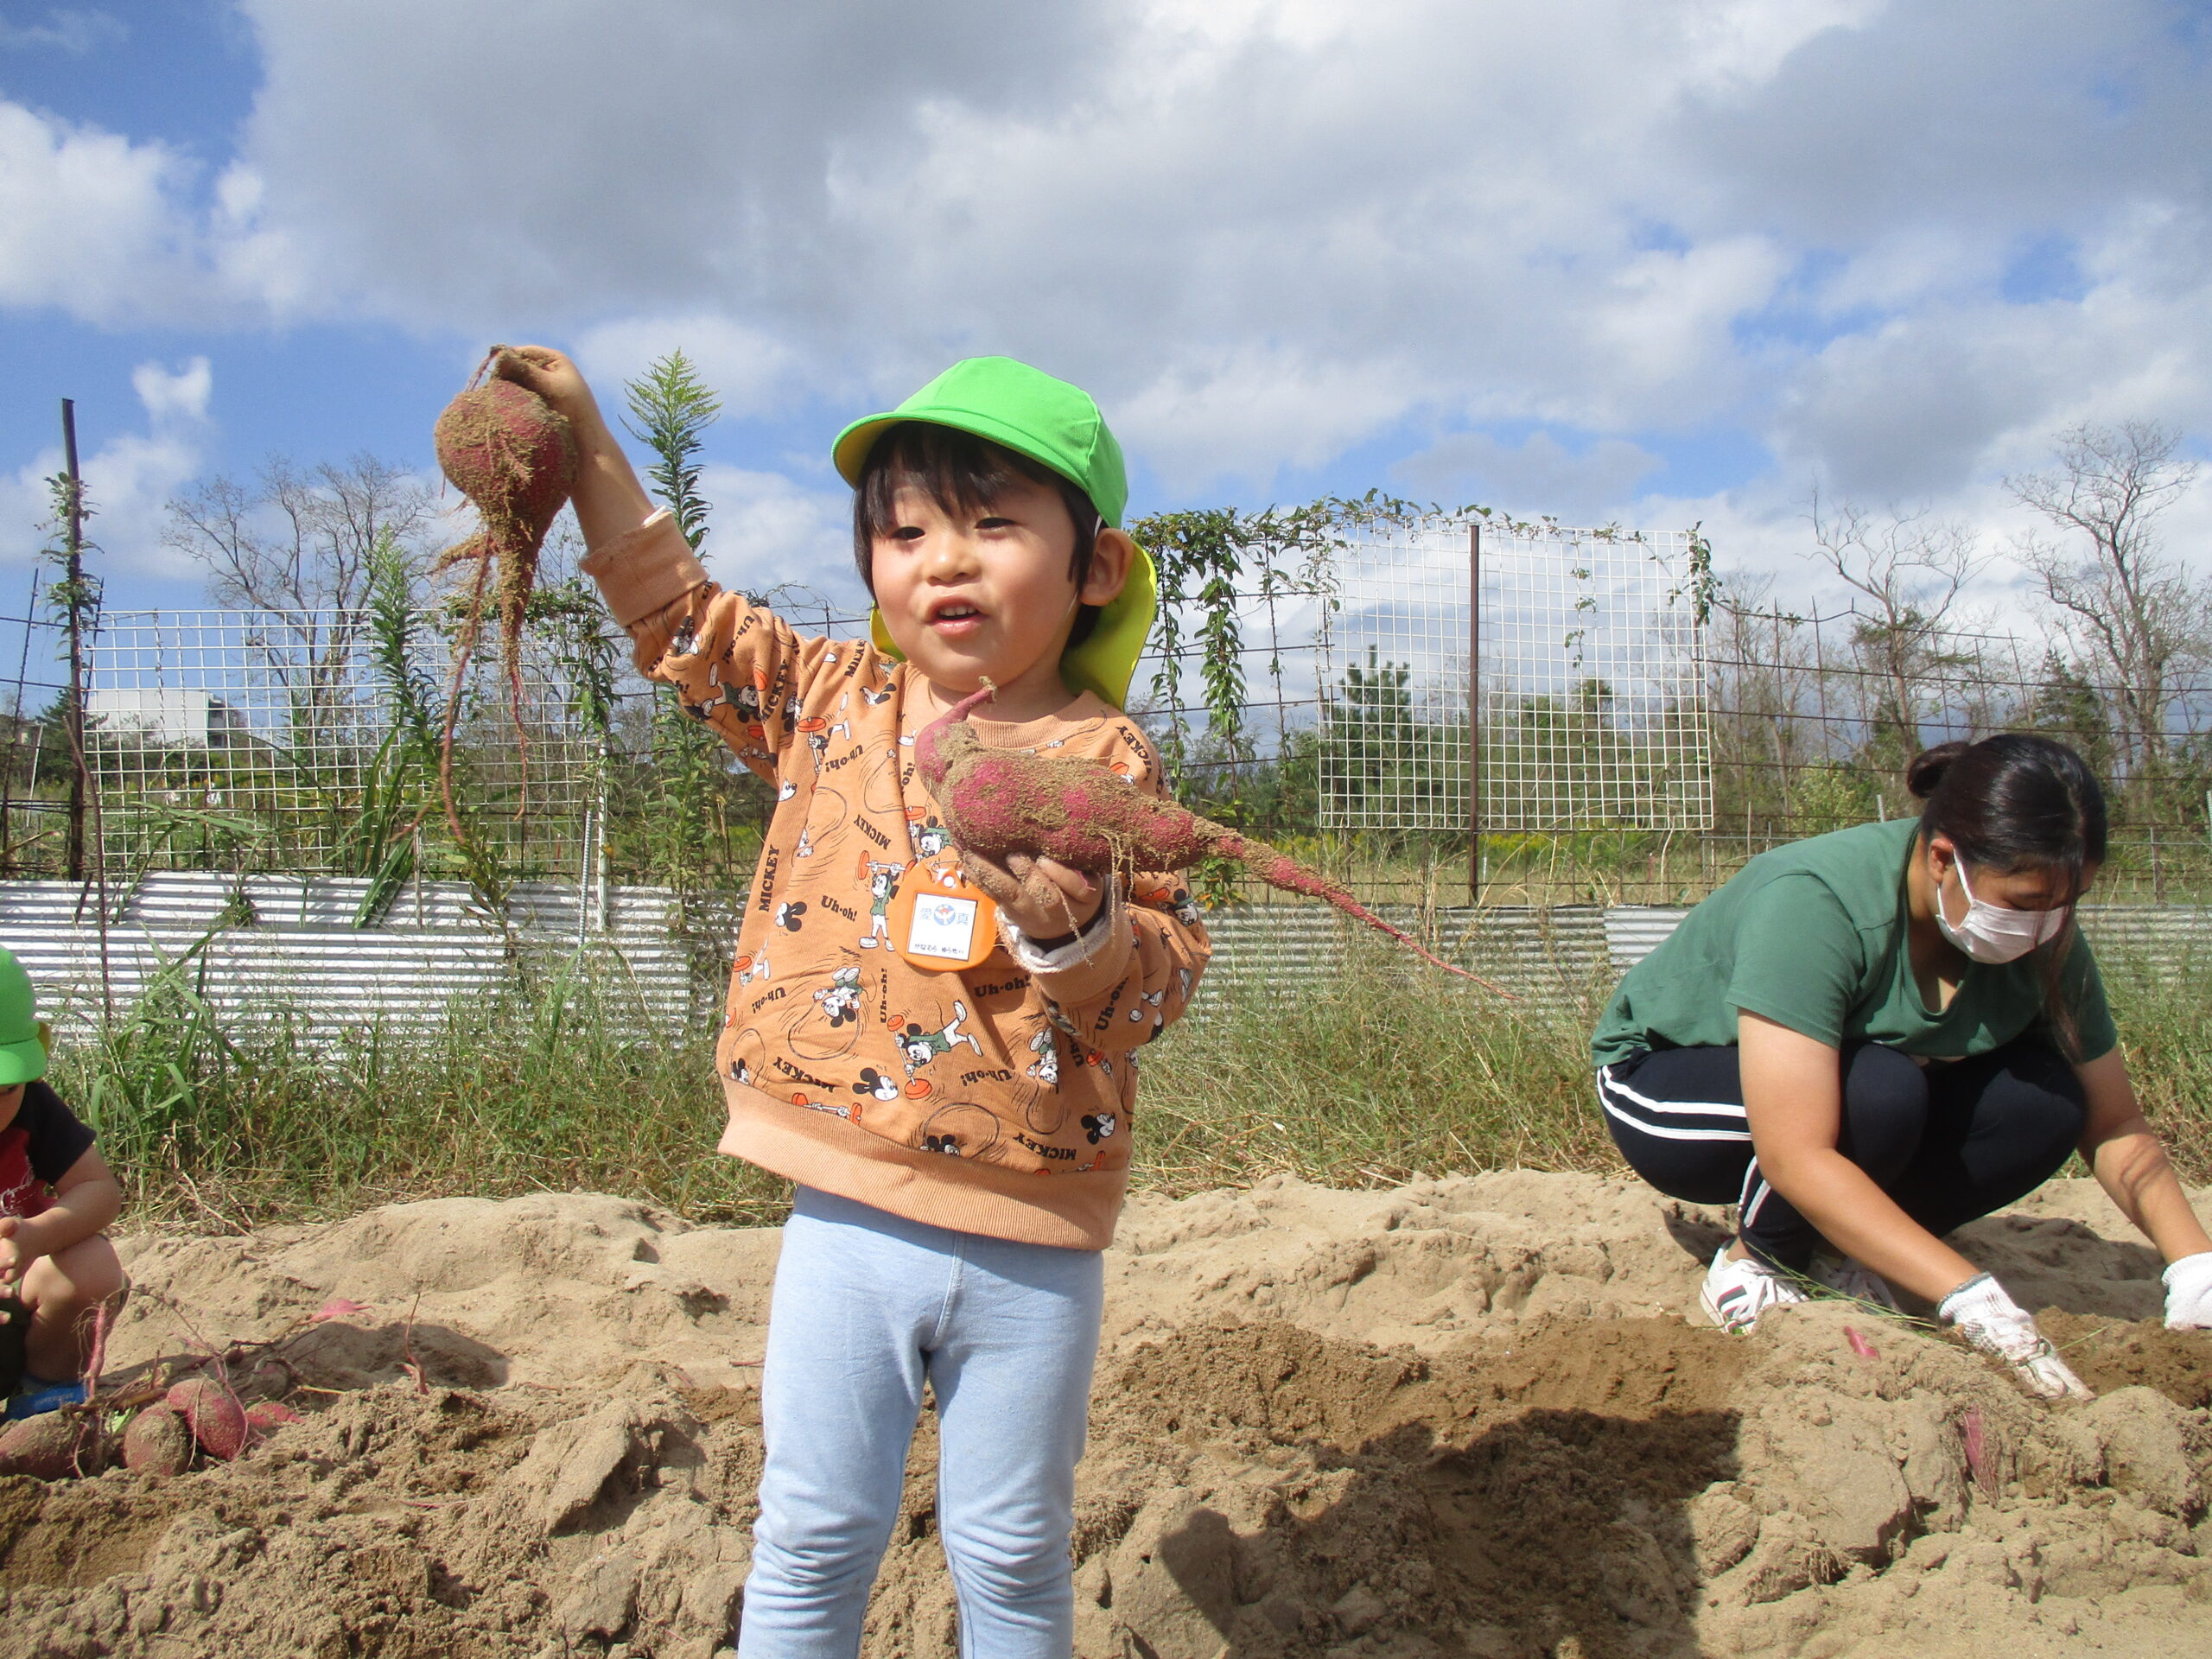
<point>996,1100</point>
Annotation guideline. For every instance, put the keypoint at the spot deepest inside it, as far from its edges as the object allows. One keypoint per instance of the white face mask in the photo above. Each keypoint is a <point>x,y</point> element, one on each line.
<point>1992,934</point>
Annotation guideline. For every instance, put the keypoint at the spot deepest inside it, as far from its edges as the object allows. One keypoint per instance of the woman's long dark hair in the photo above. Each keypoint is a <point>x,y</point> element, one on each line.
<point>2017,802</point>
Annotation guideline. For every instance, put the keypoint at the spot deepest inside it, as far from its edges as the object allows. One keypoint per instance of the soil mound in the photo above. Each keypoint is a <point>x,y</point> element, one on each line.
<point>1463,1417</point>
<point>2117,1353</point>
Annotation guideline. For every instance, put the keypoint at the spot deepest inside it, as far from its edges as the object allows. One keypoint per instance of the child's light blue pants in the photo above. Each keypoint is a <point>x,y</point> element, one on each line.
<point>867,1308</point>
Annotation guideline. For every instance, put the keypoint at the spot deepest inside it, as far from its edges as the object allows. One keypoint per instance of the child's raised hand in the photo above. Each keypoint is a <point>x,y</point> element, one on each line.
<point>608,496</point>
<point>13,1258</point>
<point>1041,896</point>
<point>551,375</point>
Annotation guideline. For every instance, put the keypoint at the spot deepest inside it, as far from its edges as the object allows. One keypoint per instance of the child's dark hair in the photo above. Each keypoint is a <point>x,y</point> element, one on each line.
<point>963,474</point>
<point>2017,802</point>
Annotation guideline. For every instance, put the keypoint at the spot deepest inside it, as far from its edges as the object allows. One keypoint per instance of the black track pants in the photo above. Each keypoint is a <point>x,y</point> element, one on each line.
<point>1949,1143</point>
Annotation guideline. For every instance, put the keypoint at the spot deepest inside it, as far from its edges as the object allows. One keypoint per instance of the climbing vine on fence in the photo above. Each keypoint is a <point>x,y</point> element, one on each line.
<point>1212,563</point>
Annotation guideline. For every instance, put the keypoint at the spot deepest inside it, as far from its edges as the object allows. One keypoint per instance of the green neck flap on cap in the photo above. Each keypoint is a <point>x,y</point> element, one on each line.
<point>1057,425</point>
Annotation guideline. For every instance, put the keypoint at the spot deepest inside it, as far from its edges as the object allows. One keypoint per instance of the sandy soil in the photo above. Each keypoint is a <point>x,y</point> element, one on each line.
<point>1463,1417</point>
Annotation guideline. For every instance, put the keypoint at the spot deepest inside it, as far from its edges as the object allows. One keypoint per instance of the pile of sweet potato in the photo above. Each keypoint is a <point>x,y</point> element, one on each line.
<point>200,1415</point>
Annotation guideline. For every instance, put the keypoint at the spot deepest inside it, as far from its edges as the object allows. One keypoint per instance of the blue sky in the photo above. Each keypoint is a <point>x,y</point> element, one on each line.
<point>1606,259</point>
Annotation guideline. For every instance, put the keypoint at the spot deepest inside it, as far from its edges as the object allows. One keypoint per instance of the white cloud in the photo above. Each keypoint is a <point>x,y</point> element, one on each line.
<point>128,480</point>
<point>750,370</point>
<point>182,395</point>
<point>114,232</point>
<point>251,263</point>
<point>683,163</point>
<point>1246,415</point>
<point>1665,326</point>
<point>1266,232</point>
<point>1541,475</point>
<point>1928,402</point>
<point>1263,232</point>
<point>85,218</point>
<point>67,28</point>
<point>767,530</point>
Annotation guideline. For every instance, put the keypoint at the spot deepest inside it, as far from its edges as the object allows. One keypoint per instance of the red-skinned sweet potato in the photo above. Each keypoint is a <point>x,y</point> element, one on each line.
<point>264,1417</point>
<point>157,1442</point>
<point>213,1414</point>
<point>999,803</point>
<point>44,1447</point>
<point>514,456</point>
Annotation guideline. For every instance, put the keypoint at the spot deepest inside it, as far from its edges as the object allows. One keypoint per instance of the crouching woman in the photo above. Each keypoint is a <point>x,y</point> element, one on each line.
<point>1867,1038</point>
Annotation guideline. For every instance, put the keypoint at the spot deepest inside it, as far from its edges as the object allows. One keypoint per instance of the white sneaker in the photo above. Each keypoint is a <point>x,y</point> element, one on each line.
<point>1737,1293</point>
<point>1847,1275</point>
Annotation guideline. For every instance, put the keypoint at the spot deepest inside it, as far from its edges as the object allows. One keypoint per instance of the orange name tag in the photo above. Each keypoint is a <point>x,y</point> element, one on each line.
<point>940,922</point>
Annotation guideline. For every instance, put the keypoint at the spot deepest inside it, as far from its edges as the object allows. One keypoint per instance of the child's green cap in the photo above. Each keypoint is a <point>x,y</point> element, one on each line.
<point>1057,426</point>
<point>22,1056</point>
<point>1052,423</point>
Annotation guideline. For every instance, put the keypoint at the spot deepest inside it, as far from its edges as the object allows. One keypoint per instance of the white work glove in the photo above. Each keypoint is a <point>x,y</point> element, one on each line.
<point>1997,1325</point>
<point>2188,1292</point>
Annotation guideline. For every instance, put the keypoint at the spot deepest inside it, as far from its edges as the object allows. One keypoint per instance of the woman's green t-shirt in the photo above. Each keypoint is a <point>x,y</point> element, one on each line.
<point>1812,936</point>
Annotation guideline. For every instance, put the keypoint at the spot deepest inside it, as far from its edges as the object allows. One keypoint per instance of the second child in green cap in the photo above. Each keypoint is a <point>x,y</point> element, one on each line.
<point>57,1199</point>
<point>939,1051</point>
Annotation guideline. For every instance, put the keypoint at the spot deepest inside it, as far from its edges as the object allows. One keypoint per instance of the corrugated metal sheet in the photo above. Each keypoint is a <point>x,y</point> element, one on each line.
<point>1633,931</point>
<point>1525,949</point>
<point>268,942</point>
<point>197,900</point>
<point>2158,938</point>
<point>2161,938</point>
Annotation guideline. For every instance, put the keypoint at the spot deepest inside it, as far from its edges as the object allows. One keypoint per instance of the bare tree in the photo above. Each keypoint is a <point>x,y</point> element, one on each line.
<point>1907,571</point>
<point>2130,612</point>
<point>293,541</point>
<point>1763,734</point>
<point>298,545</point>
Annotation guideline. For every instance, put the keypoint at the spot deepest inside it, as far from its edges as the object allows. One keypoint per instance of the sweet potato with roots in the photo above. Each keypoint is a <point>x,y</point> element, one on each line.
<point>514,455</point>
<point>999,803</point>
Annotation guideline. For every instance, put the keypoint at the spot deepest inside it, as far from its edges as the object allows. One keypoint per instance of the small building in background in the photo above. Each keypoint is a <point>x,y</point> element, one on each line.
<point>165,717</point>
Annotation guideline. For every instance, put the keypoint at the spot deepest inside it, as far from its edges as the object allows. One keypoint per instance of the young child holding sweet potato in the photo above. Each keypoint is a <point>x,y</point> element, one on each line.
<point>937,1048</point>
<point>57,1199</point>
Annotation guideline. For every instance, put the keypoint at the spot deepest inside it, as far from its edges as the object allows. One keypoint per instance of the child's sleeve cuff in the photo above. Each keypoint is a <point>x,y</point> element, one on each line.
<point>645,571</point>
<point>1070,951</point>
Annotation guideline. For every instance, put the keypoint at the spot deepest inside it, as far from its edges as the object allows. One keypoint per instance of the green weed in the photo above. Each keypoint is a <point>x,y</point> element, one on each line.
<point>562,1081</point>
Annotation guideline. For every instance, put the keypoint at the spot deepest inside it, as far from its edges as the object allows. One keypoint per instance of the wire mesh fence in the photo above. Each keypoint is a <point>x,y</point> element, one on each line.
<point>1586,653</point>
<point>268,741</point>
<point>1394,655</point>
<point>1642,733</point>
<point>34,758</point>
<point>1814,717</point>
<point>1233,683</point>
<point>1638,738</point>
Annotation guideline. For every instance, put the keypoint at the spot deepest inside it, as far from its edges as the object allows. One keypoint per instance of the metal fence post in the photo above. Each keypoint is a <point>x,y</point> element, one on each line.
<point>584,878</point>
<point>75,854</point>
<point>1475,713</point>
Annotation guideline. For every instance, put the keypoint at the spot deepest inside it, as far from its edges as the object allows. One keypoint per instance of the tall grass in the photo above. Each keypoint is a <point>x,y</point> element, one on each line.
<point>562,1082</point>
<point>2165,1013</point>
<point>1384,1073</point>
